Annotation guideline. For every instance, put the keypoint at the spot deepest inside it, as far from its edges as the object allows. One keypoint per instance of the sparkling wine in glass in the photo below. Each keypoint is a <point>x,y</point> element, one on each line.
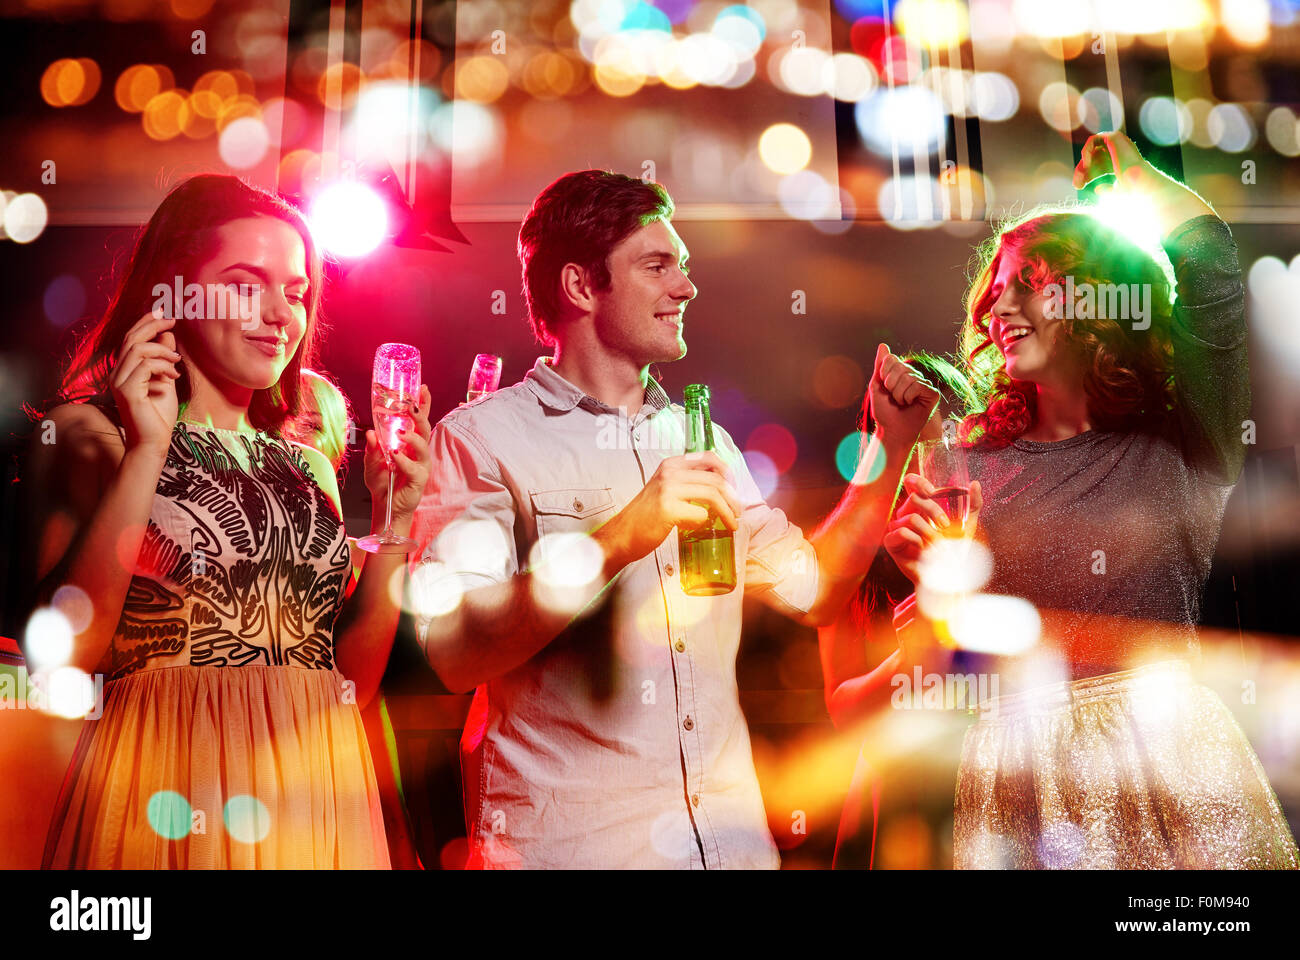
<point>484,376</point>
<point>394,393</point>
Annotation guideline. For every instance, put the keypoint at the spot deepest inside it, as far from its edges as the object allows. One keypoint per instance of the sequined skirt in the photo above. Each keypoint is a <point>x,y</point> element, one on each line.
<point>1143,769</point>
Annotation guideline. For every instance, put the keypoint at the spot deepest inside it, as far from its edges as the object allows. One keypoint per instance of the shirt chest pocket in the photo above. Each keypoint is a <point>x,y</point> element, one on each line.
<point>572,509</point>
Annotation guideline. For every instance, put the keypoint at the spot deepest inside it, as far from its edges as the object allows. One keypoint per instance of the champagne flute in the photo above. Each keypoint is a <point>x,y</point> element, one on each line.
<point>943,462</point>
<point>394,392</point>
<point>484,376</point>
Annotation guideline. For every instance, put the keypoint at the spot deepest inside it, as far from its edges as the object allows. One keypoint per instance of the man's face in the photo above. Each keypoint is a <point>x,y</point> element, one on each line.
<point>641,314</point>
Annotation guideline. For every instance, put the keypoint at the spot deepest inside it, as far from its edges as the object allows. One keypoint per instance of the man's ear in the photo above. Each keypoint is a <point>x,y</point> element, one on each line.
<point>576,288</point>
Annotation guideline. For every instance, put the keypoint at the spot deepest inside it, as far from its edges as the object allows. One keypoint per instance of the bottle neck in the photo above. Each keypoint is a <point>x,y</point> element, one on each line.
<point>699,428</point>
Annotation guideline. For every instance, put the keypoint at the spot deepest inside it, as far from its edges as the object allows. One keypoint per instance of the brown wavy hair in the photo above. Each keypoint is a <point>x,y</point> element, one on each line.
<point>580,218</point>
<point>178,238</point>
<point>1126,373</point>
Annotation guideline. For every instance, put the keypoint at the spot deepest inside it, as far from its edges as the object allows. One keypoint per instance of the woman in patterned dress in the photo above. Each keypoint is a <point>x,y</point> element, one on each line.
<point>212,552</point>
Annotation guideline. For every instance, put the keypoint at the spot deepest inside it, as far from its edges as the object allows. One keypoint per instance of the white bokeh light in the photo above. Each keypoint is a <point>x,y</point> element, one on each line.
<point>48,639</point>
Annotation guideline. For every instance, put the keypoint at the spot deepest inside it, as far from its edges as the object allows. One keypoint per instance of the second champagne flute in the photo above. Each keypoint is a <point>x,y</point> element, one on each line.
<point>394,393</point>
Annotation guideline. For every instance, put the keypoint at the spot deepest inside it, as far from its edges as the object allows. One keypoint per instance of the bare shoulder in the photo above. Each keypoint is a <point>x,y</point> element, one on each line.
<point>77,434</point>
<point>322,470</point>
<point>74,452</point>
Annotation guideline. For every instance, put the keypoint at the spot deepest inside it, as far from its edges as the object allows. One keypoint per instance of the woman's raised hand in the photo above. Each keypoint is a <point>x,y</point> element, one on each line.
<point>1114,153</point>
<point>143,381</point>
<point>918,523</point>
<point>411,464</point>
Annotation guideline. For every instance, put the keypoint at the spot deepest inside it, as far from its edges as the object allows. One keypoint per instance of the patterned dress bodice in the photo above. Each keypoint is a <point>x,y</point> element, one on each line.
<point>244,560</point>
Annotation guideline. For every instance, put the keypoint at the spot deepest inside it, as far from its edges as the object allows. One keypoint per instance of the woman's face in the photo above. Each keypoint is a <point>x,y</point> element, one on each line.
<point>264,262</point>
<point>1019,325</point>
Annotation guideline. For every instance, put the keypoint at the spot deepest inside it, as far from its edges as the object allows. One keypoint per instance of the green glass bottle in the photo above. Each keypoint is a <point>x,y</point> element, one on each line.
<point>706,554</point>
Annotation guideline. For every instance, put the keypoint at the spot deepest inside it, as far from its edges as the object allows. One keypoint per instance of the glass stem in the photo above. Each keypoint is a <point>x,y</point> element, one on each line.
<point>388,513</point>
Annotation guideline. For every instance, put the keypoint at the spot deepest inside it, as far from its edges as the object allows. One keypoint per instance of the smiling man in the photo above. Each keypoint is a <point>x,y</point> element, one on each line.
<point>606,729</point>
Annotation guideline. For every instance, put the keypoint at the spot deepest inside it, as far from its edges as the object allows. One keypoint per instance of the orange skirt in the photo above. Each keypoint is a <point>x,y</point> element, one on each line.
<point>221,768</point>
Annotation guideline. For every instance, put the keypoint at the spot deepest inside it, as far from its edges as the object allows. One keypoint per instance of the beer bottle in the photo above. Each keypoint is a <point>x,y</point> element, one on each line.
<point>706,554</point>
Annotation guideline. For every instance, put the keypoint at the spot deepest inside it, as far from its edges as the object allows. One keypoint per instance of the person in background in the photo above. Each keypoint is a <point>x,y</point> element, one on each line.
<point>861,655</point>
<point>327,424</point>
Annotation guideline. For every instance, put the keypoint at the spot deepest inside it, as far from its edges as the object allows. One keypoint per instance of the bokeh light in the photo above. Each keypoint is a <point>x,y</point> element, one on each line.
<point>70,83</point>
<point>838,381</point>
<point>1165,121</point>
<point>903,119</point>
<point>70,693</point>
<point>435,590</point>
<point>1230,128</point>
<point>806,195</point>
<point>1282,130</point>
<point>75,605</point>
<point>766,476</point>
<point>933,23</point>
<point>784,148</point>
<point>47,639</point>
<point>847,452</point>
<point>64,299</point>
<point>244,143</point>
<point>776,443</point>
<point>25,217</point>
<point>246,818</point>
<point>170,814</point>
<point>139,84</point>
<point>162,115</point>
<point>989,623</point>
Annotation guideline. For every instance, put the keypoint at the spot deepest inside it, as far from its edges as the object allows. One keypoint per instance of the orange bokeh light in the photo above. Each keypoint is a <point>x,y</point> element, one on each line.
<point>191,9</point>
<point>141,83</point>
<point>339,85</point>
<point>70,83</point>
<point>241,106</point>
<point>162,115</point>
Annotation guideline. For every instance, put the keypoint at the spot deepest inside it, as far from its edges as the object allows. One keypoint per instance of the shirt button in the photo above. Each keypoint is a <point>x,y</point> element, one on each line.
<point>695,799</point>
<point>668,569</point>
<point>577,504</point>
<point>688,723</point>
<point>681,646</point>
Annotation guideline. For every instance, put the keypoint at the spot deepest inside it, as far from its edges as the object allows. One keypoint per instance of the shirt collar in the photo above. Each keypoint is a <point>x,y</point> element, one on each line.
<point>559,394</point>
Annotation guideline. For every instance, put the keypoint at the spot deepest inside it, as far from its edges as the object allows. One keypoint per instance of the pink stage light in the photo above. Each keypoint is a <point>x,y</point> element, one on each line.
<point>348,219</point>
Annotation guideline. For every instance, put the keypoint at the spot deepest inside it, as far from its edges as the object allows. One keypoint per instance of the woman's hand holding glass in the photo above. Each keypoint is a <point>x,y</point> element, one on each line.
<point>920,521</point>
<point>410,463</point>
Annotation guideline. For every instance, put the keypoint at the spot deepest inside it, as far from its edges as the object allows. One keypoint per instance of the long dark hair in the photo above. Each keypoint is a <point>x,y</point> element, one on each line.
<point>179,237</point>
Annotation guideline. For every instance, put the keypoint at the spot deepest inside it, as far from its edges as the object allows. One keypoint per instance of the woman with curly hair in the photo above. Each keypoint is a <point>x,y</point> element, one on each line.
<point>1106,450</point>
<point>208,555</point>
